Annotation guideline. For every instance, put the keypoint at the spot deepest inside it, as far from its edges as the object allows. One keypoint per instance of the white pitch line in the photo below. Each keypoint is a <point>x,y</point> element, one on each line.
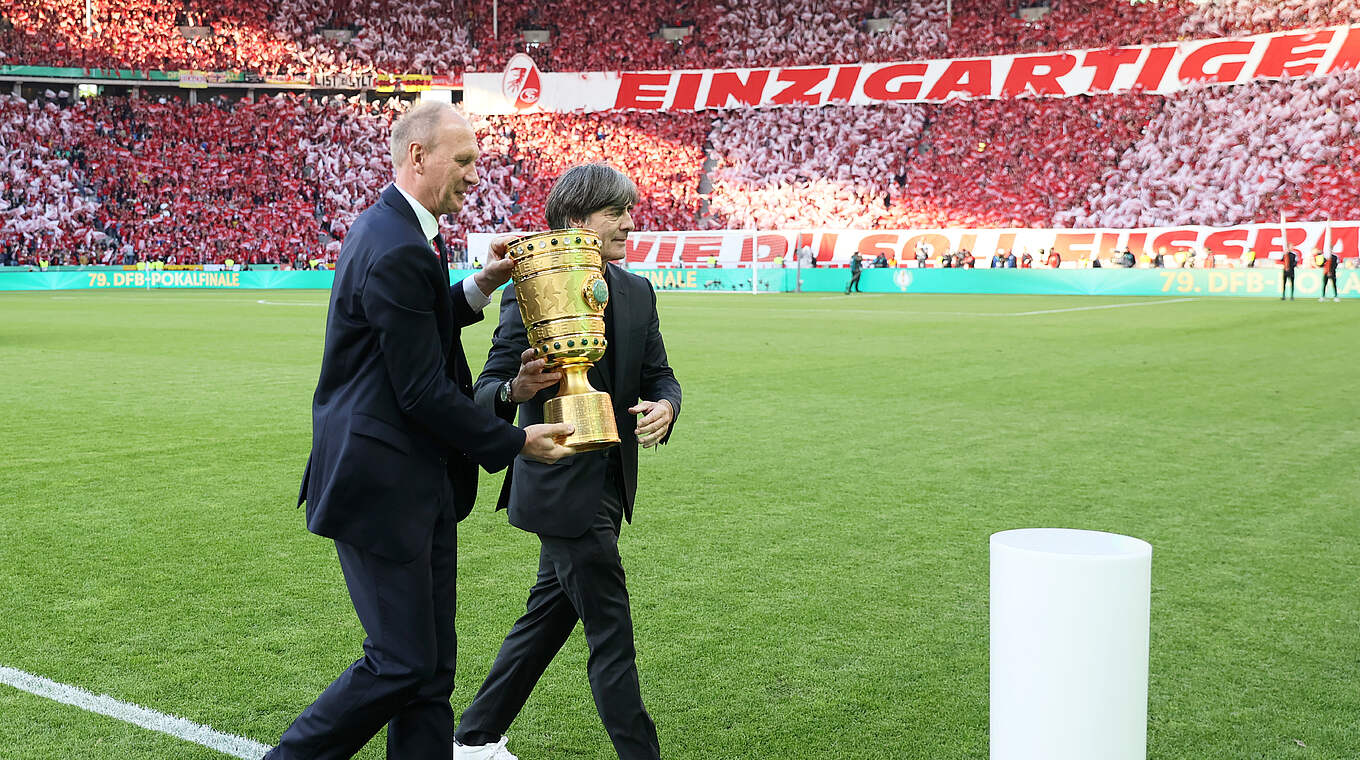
<point>1093,308</point>
<point>228,744</point>
<point>897,313</point>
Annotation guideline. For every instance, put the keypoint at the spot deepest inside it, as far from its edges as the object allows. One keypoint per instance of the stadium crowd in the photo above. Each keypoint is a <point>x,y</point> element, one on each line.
<point>1229,17</point>
<point>1234,155</point>
<point>281,178</point>
<point>810,167</point>
<point>662,152</point>
<point>115,178</point>
<point>574,40</point>
<point>991,27</point>
<point>394,36</point>
<point>141,34</point>
<point>44,203</point>
<point>1015,163</point>
<point>434,37</point>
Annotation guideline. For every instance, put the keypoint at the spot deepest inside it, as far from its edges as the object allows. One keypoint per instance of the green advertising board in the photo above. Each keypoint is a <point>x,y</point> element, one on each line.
<point>1258,283</point>
<point>114,278</point>
<point>60,72</point>
<point>117,278</point>
<point>1089,282</point>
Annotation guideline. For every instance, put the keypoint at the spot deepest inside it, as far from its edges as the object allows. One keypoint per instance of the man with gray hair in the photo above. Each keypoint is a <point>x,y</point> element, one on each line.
<point>396,442</point>
<point>578,510</point>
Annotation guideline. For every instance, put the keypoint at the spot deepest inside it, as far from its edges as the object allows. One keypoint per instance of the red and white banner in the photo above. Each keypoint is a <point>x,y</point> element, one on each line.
<point>738,247</point>
<point>1160,69</point>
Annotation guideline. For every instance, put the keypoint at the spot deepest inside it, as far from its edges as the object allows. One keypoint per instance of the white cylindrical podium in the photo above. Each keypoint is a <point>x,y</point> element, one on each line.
<point>1069,645</point>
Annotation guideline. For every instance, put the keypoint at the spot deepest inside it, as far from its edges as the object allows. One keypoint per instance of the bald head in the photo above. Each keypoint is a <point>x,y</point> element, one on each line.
<point>421,125</point>
<point>434,156</point>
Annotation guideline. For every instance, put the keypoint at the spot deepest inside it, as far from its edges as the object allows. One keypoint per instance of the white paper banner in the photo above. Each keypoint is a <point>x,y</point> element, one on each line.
<point>736,247</point>
<point>1160,69</point>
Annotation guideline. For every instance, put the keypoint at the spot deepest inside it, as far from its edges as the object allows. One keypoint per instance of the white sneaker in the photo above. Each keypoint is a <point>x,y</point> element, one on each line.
<point>495,751</point>
<point>1337,299</point>
<point>1320,300</point>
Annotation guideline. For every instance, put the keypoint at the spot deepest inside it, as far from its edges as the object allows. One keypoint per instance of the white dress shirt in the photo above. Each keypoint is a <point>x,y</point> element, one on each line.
<point>429,226</point>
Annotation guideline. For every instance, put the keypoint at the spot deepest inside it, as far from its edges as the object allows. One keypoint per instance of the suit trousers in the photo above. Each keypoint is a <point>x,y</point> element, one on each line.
<point>405,678</point>
<point>578,579</point>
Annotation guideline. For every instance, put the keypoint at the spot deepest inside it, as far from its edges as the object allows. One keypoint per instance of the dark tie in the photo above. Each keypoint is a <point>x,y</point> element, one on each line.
<point>443,252</point>
<point>461,372</point>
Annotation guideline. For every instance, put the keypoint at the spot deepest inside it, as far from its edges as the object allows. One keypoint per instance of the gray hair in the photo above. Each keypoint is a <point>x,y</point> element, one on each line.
<point>419,125</point>
<point>588,188</point>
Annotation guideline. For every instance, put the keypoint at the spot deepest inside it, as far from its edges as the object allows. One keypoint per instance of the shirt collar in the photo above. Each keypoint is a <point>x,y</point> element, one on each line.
<point>429,226</point>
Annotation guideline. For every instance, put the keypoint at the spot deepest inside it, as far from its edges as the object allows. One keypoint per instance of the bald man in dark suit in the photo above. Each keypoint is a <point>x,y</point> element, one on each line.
<point>396,443</point>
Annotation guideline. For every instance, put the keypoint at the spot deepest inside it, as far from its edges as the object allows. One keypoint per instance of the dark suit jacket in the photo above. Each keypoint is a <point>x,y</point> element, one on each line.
<point>393,420</point>
<point>562,499</point>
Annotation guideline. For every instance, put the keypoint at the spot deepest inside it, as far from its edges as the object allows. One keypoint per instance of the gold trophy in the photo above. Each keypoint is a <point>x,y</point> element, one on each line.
<point>559,282</point>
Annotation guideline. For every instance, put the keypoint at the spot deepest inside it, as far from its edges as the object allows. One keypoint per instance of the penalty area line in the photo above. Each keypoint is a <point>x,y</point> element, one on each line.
<point>180,728</point>
<point>925,313</point>
<point>1102,306</point>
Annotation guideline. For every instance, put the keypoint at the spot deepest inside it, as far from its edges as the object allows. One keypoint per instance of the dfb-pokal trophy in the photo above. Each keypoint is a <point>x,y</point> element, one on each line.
<point>559,283</point>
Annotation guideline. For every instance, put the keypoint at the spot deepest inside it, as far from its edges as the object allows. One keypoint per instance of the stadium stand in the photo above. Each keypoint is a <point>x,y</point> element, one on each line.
<point>282,177</point>
<point>141,34</point>
<point>801,32</point>
<point>415,36</point>
<point>190,183</point>
<point>433,37</point>
<point>174,179</point>
<point>1228,17</point>
<point>1235,155</point>
<point>809,167</point>
<point>1015,163</point>
<point>661,152</point>
<point>578,39</point>
<point>184,182</point>
<point>42,178</point>
<point>990,27</point>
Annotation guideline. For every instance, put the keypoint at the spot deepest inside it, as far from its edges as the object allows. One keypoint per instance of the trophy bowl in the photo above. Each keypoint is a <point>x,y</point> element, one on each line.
<point>560,286</point>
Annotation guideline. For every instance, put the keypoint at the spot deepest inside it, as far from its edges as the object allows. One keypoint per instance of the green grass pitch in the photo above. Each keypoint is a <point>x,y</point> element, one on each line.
<point>809,563</point>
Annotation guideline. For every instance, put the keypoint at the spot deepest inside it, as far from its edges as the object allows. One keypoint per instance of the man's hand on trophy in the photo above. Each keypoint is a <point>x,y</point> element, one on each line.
<point>656,420</point>
<point>531,378</point>
<point>496,271</point>
<point>541,442</point>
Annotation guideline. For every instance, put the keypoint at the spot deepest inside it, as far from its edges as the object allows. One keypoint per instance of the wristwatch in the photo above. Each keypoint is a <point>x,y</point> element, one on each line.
<point>504,394</point>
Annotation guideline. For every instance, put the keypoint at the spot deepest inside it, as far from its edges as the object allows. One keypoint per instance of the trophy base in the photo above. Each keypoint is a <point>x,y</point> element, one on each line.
<point>592,414</point>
